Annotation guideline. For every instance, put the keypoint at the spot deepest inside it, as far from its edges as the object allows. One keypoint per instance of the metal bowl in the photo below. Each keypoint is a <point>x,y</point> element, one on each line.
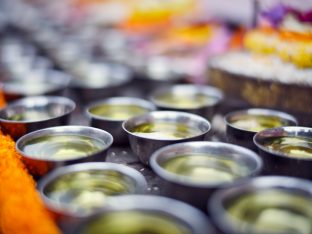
<point>243,136</point>
<point>152,214</point>
<point>143,146</point>
<point>62,152</point>
<point>266,201</point>
<point>78,190</point>
<point>224,163</point>
<point>94,81</point>
<point>188,92</point>
<point>34,113</point>
<point>52,83</point>
<point>114,124</point>
<point>279,163</point>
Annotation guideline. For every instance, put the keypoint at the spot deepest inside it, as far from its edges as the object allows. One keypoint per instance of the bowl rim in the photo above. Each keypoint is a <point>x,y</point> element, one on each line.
<point>63,130</point>
<point>285,129</point>
<point>215,204</point>
<point>177,179</point>
<point>123,100</point>
<point>258,111</point>
<point>180,212</point>
<point>208,91</point>
<point>151,116</point>
<point>31,101</point>
<point>138,178</point>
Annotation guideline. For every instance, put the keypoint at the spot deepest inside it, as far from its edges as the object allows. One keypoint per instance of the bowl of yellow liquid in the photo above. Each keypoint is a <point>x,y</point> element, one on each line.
<point>110,113</point>
<point>196,99</point>
<point>192,171</point>
<point>286,151</point>
<point>241,126</point>
<point>49,148</point>
<point>141,214</point>
<point>33,113</point>
<point>151,131</point>
<point>79,190</point>
<point>264,205</point>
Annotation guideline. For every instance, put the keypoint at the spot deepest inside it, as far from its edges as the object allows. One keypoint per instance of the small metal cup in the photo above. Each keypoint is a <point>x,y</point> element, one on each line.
<point>197,193</point>
<point>244,137</point>
<point>40,166</point>
<point>260,187</point>
<point>178,213</point>
<point>206,110</point>
<point>143,147</point>
<point>57,109</point>
<point>277,163</point>
<point>114,126</point>
<point>108,179</point>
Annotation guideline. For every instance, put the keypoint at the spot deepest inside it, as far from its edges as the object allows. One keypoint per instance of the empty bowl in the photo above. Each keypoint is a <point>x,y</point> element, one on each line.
<point>34,113</point>
<point>110,113</point>
<point>49,148</point>
<point>192,171</point>
<point>286,151</point>
<point>153,130</point>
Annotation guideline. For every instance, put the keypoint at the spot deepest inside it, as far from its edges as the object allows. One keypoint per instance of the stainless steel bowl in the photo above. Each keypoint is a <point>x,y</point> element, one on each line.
<point>39,164</point>
<point>143,212</point>
<point>114,125</point>
<point>143,147</point>
<point>78,190</point>
<point>278,163</point>
<point>265,201</point>
<point>33,113</point>
<point>95,81</point>
<point>52,83</point>
<point>233,160</point>
<point>188,92</point>
<point>244,137</point>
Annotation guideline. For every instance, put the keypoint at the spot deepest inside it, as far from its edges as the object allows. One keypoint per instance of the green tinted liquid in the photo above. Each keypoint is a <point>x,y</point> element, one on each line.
<point>118,111</point>
<point>296,147</point>
<point>30,115</point>
<point>256,123</point>
<point>62,147</point>
<point>88,190</point>
<point>165,131</point>
<point>273,211</point>
<point>201,168</point>
<point>185,101</point>
<point>132,222</point>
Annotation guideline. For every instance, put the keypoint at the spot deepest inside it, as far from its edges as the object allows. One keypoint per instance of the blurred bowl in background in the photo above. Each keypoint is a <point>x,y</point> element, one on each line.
<point>33,113</point>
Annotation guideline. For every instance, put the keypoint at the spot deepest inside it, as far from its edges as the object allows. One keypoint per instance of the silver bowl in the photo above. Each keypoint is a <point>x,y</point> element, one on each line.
<point>52,83</point>
<point>267,201</point>
<point>33,113</point>
<point>94,81</point>
<point>279,163</point>
<point>188,92</point>
<point>89,186</point>
<point>148,213</point>
<point>223,162</point>
<point>114,125</point>
<point>244,137</point>
<point>68,145</point>
<point>144,146</point>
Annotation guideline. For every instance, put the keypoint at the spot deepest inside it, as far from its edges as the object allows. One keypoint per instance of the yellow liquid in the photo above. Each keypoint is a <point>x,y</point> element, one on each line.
<point>31,115</point>
<point>165,131</point>
<point>296,147</point>
<point>185,101</point>
<point>273,211</point>
<point>62,147</point>
<point>201,168</point>
<point>118,112</point>
<point>134,222</point>
<point>87,190</point>
<point>257,123</point>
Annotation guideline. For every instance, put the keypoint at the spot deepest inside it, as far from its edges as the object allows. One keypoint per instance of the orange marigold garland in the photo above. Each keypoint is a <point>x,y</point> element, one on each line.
<point>21,210</point>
